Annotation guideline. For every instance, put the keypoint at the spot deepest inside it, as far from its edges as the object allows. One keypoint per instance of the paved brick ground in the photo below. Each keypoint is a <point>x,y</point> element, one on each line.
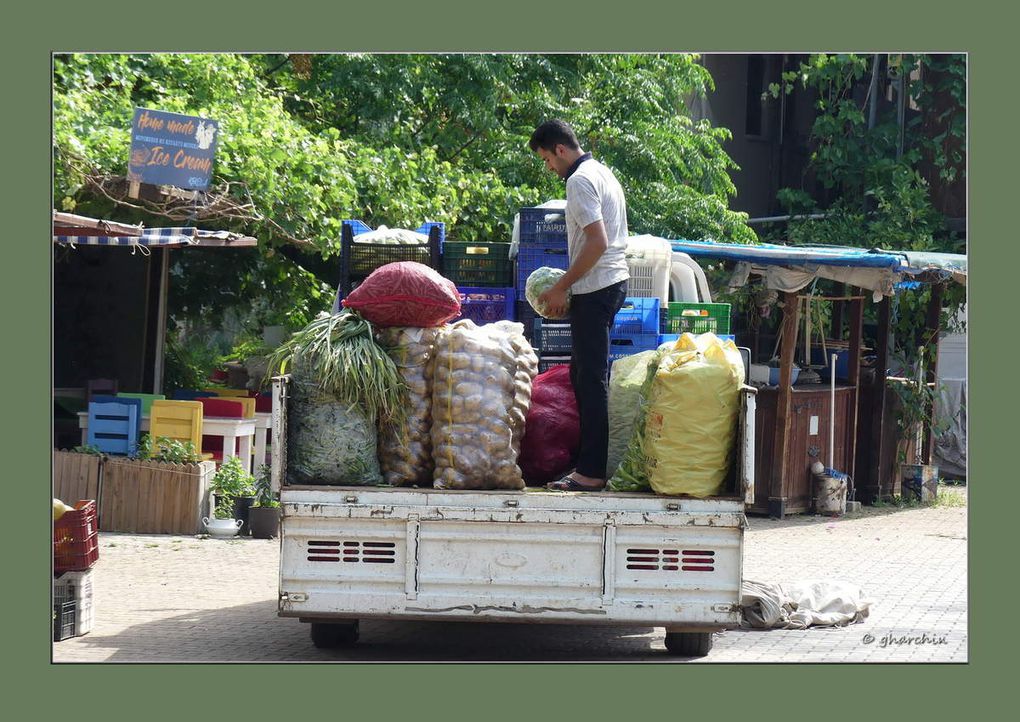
<point>162,599</point>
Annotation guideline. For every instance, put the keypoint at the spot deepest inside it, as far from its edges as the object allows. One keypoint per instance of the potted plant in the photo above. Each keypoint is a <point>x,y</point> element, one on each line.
<point>264,515</point>
<point>233,488</point>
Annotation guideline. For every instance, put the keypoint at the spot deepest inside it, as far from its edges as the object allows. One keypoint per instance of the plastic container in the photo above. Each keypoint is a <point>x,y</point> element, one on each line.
<point>637,315</point>
<point>76,539</point>
<point>551,336</point>
<point>531,258</point>
<point>63,620</point>
<point>698,318</point>
<point>478,264</point>
<point>547,362</point>
<point>542,225</point>
<point>649,261</point>
<point>526,316</point>
<point>486,305</point>
<point>76,587</point>
<point>623,345</point>
<point>674,337</point>
<point>358,260</point>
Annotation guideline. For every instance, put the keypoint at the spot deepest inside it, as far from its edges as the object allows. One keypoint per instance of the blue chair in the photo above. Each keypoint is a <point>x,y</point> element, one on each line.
<point>113,426</point>
<point>139,404</point>
<point>191,395</point>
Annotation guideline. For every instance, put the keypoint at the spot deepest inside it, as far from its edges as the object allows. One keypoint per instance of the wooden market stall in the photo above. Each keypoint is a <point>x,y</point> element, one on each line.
<point>792,419</point>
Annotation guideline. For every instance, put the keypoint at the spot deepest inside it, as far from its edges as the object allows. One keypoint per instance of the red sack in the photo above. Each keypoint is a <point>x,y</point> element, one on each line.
<point>405,293</point>
<point>552,431</point>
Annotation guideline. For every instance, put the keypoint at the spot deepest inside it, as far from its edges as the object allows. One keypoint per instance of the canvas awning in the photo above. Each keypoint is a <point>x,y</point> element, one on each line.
<point>791,268</point>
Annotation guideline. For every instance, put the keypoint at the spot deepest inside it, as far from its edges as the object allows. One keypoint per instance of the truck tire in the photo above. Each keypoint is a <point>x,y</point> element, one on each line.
<point>327,635</point>
<point>689,644</point>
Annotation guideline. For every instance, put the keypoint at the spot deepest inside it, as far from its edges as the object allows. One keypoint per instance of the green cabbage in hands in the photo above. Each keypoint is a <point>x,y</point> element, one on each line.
<point>540,281</point>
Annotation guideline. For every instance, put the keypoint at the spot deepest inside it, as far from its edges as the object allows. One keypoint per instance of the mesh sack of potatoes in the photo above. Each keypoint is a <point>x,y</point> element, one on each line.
<point>405,448</point>
<point>480,397</point>
<point>328,442</point>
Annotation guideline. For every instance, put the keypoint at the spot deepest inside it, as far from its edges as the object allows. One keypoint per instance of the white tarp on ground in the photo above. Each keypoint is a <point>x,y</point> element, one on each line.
<point>802,604</point>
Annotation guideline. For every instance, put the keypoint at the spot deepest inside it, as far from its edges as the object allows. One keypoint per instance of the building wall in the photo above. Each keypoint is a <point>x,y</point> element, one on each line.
<point>776,156</point>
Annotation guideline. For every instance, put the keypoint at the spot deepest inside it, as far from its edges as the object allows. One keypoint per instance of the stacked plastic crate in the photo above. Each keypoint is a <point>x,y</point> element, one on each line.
<point>75,552</point>
<point>635,328</point>
<point>358,260</point>
<point>542,242</point>
<point>484,276</point>
<point>696,318</point>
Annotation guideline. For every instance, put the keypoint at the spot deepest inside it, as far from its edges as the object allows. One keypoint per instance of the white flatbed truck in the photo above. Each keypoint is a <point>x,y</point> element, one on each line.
<point>405,553</point>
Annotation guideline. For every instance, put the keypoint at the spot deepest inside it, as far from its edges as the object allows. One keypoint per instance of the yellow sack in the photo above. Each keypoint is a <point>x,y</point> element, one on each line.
<point>692,416</point>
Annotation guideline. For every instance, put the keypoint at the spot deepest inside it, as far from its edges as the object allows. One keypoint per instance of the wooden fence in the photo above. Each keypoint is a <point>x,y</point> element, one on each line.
<point>76,476</point>
<point>151,497</point>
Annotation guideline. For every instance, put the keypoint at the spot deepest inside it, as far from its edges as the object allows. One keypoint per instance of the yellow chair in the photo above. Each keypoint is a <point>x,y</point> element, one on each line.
<point>227,392</point>
<point>178,420</point>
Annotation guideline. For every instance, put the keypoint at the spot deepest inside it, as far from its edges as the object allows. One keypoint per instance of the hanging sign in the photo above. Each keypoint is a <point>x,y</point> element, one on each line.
<point>171,149</point>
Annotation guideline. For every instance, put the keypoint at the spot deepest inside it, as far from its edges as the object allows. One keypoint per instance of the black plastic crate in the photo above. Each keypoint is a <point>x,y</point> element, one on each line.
<point>358,260</point>
<point>478,264</point>
<point>547,362</point>
<point>64,618</point>
<point>526,315</point>
<point>541,225</point>
<point>552,336</point>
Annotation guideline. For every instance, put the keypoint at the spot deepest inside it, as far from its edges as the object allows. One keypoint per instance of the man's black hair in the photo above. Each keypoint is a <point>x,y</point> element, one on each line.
<point>552,133</point>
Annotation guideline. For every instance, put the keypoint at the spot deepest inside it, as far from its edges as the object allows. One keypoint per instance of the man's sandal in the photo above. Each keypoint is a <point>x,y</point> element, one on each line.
<point>568,483</point>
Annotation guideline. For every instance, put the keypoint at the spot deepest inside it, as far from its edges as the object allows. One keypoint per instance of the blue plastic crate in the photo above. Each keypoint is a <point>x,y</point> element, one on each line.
<point>486,305</point>
<point>358,227</point>
<point>537,225</point>
<point>628,344</point>
<point>531,258</point>
<point>551,336</point>
<point>638,315</point>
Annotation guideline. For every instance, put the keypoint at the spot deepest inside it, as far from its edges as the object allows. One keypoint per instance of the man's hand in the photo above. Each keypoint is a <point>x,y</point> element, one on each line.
<point>555,302</point>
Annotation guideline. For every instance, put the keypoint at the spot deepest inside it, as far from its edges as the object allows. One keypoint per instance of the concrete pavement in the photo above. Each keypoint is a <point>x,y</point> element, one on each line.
<point>193,599</point>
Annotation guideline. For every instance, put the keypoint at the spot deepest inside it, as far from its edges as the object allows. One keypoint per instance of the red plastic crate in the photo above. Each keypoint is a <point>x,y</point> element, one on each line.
<point>76,539</point>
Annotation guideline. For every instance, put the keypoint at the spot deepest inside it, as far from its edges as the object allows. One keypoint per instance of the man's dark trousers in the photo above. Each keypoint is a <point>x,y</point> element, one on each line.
<point>591,317</point>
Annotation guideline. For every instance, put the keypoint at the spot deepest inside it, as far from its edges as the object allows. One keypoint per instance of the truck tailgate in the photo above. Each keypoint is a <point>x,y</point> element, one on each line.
<point>534,556</point>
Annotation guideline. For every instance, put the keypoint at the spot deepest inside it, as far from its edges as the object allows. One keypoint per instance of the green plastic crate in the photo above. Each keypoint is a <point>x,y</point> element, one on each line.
<point>698,318</point>
<point>478,264</point>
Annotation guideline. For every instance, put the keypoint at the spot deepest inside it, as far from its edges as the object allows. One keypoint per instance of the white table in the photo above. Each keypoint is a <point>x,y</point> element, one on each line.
<point>243,431</point>
<point>264,427</point>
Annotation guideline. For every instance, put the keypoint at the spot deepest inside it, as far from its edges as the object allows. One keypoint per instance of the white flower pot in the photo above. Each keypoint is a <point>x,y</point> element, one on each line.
<point>222,527</point>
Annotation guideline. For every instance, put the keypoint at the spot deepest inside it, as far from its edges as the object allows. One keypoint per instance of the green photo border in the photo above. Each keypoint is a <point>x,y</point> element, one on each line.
<point>565,691</point>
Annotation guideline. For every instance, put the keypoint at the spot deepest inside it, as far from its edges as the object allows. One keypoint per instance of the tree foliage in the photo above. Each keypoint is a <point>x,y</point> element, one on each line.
<point>307,141</point>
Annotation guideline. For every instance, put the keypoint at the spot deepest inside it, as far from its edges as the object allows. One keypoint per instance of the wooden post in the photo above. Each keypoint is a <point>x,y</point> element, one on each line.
<point>836,327</point>
<point>854,375</point>
<point>933,324</point>
<point>872,491</point>
<point>164,280</point>
<point>777,484</point>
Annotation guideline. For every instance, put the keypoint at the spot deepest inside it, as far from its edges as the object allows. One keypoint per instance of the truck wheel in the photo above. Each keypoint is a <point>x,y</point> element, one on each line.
<point>689,644</point>
<point>326,635</point>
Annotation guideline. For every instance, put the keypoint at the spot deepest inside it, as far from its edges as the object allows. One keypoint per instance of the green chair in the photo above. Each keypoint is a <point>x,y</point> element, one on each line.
<point>146,399</point>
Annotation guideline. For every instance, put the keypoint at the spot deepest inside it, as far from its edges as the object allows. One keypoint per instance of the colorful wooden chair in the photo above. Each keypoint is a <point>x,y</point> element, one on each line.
<point>113,427</point>
<point>243,393</point>
<point>191,394</point>
<point>178,420</point>
<point>100,386</point>
<point>146,399</point>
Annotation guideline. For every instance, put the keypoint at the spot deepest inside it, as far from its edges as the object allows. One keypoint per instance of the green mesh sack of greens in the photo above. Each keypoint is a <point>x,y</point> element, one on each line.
<point>632,473</point>
<point>342,382</point>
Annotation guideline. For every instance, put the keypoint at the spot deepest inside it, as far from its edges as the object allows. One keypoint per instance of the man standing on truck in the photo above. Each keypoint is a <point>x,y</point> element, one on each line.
<point>597,278</point>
